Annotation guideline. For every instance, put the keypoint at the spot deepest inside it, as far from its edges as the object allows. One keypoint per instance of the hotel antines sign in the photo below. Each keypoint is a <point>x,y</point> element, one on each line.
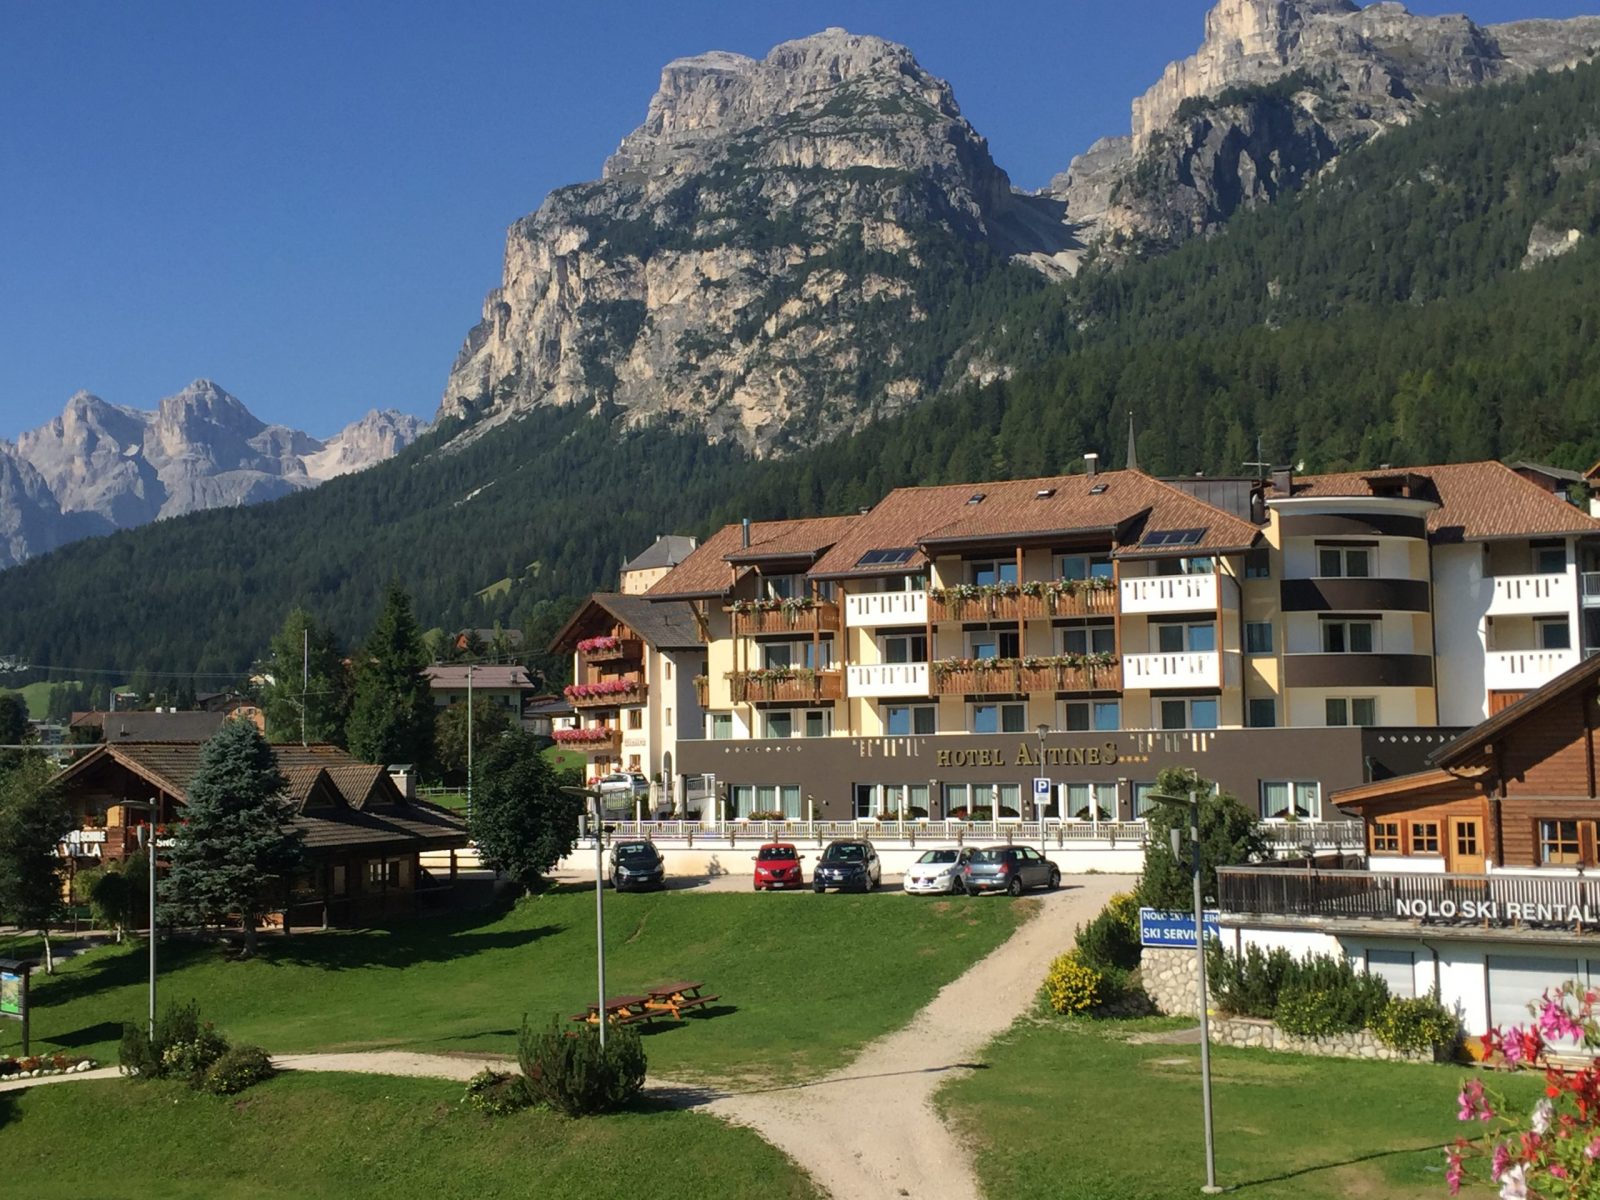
<point>1103,755</point>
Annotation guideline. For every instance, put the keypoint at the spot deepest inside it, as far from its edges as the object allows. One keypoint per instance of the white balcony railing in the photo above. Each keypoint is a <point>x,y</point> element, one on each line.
<point>1530,595</point>
<point>1191,669</point>
<point>888,679</point>
<point>1524,670</point>
<point>1169,594</point>
<point>886,608</point>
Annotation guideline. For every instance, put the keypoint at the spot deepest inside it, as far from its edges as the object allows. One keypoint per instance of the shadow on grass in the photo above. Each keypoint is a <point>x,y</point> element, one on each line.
<point>8,1108</point>
<point>1316,1168</point>
<point>89,1035</point>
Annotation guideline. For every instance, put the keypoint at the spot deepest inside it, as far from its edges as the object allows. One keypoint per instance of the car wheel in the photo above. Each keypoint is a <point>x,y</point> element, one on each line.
<point>958,886</point>
<point>1055,879</point>
<point>1014,888</point>
<point>756,886</point>
<point>818,888</point>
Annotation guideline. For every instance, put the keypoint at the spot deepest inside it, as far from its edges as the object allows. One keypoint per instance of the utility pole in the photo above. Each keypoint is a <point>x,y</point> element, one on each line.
<point>469,741</point>
<point>305,679</point>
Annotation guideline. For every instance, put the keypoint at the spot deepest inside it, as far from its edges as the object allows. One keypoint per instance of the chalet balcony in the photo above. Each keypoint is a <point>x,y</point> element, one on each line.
<point>792,685</point>
<point>1187,669</point>
<point>888,680</point>
<point>755,618</point>
<point>871,609</point>
<point>610,650</point>
<point>611,691</point>
<point>1524,670</point>
<point>1533,595</point>
<point>1017,677</point>
<point>702,691</point>
<point>1170,594</point>
<point>594,739</point>
<point>1014,602</point>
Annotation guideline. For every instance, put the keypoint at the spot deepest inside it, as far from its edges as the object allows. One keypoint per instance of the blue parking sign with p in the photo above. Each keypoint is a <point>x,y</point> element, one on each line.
<point>1041,789</point>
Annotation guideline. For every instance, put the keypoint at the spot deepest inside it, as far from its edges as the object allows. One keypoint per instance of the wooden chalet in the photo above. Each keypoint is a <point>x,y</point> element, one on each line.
<point>363,835</point>
<point>1517,791</point>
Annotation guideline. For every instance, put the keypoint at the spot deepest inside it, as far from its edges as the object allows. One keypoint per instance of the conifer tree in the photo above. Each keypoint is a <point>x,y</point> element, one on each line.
<point>489,722</point>
<point>232,852</point>
<point>33,820</point>
<point>522,822</point>
<point>309,678</point>
<point>391,717</point>
<point>14,728</point>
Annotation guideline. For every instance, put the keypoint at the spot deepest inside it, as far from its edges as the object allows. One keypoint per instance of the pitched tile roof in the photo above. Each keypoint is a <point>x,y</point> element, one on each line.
<point>1118,506</point>
<point>1477,501</point>
<point>449,676</point>
<point>663,624</point>
<point>720,560</point>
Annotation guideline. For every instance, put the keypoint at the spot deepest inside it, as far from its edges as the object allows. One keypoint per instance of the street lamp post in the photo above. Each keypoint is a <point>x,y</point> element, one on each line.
<point>593,797</point>
<point>1192,801</point>
<point>147,839</point>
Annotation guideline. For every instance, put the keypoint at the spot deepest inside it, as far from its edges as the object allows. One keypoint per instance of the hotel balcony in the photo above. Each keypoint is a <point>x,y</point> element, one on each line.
<point>611,691</point>
<point>595,739</point>
<point>794,686</point>
<point>887,680</point>
<point>1189,669</point>
<point>1357,670</point>
<point>1012,678</point>
<point>783,616</point>
<point>625,650</point>
<point>1532,595</point>
<point>1524,670</point>
<point>1012,603</point>
<point>1170,594</point>
<point>871,609</point>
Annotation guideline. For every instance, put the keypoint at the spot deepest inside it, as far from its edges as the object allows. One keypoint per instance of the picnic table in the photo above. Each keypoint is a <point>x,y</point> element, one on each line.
<point>620,1010</point>
<point>676,998</point>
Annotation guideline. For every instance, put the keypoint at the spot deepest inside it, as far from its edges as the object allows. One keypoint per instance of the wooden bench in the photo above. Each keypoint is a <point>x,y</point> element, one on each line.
<point>620,1010</point>
<point>676,998</point>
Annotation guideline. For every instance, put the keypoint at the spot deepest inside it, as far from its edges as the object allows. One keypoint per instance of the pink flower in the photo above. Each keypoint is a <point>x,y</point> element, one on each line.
<point>1472,1105</point>
<point>1452,1171</point>
<point>1499,1162</point>
<point>1592,1150</point>
<point>1555,1022</point>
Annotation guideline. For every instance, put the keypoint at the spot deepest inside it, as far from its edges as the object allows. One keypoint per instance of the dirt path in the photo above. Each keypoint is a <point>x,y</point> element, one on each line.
<point>869,1130</point>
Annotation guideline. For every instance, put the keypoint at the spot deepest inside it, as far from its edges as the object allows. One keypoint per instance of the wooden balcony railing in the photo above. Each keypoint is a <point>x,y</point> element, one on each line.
<point>785,616</point>
<point>1012,677</point>
<point>626,650</point>
<point>611,691</point>
<point>799,686</point>
<point>594,740</point>
<point>1012,603</point>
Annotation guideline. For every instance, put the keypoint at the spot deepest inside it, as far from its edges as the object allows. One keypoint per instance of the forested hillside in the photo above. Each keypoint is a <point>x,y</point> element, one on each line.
<point>1383,315</point>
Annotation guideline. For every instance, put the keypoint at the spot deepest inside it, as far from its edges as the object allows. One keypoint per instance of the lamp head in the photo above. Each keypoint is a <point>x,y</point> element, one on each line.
<point>1042,730</point>
<point>1168,799</point>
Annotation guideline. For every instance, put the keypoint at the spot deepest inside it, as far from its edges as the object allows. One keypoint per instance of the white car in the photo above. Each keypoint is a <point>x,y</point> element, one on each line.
<point>937,872</point>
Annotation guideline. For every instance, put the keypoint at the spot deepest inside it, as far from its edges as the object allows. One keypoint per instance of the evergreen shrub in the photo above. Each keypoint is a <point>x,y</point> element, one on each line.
<point>572,1073</point>
<point>1416,1023</point>
<point>1109,940</point>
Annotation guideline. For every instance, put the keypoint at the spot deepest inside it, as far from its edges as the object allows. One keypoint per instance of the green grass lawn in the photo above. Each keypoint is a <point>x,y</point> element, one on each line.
<point>37,695</point>
<point>1072,1109</point>
<point>353,1136</point>
<point>564,759</point>
<point>804,980</point>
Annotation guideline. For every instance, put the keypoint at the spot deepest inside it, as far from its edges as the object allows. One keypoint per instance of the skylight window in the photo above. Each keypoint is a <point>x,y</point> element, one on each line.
<point>1098,489</point>
<point>975,498</point>
<point>1173,537</point>
<point>891,557</point>
<point>1044,493</point>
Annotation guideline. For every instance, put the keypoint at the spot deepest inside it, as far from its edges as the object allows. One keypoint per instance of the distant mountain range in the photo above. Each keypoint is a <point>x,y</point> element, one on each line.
<point>100,467</point>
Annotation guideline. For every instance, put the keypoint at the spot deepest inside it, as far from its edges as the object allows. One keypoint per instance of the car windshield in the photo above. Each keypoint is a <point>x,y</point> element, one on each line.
<point>845,852</point>
<point>775,852</point>
<point>939,856</point>
<point>636,850</point>
<point>989,856</point>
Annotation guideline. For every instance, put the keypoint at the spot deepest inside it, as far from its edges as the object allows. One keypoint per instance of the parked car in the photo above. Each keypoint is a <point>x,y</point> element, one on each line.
<point>637,865</point>
<point>847,864</point>
<point>1011,869</point>
<point>939,872</point>
<point>778,866</point>
<point>623,787</point>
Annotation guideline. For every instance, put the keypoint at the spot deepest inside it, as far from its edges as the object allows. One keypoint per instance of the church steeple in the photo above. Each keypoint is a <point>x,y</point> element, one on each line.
<point>1133,452</point>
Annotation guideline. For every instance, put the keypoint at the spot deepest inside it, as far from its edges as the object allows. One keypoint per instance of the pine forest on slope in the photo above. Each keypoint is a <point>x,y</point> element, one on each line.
<point>1391,312</point>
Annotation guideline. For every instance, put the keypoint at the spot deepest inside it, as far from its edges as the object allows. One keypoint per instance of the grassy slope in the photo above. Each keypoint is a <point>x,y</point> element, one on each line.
<point>349,1136</point>
<point>1071,1109</point>
<point>802,978</point>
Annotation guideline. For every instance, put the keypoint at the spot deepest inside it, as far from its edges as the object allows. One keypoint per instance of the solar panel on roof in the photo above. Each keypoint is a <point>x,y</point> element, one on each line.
<point>1172,537</point>
<point>890,557</point>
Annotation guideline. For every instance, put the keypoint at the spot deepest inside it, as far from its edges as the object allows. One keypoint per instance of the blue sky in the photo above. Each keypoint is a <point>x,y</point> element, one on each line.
<point>308,201</point>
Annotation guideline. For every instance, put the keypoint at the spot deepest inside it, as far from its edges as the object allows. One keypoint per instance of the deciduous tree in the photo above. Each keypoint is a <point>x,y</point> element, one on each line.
<point>522,822</point>
<point>33,820</point>
<point>489,722</point>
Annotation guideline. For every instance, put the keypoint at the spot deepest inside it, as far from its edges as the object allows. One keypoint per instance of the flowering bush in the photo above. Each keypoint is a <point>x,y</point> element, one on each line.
<point>1072,985</point>
<point>1552,1152</point>
<point>239,1068</point>
<point>1416,1023</point>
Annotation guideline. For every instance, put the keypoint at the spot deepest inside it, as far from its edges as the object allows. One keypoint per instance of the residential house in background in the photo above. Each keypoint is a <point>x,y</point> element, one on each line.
<point>643,571</point>
<point>508,688</point>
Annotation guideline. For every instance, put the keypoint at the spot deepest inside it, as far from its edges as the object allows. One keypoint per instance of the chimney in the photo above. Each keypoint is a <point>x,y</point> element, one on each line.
<point>745,535</point>
<point>1283,480</point>
<point>1091,463</point>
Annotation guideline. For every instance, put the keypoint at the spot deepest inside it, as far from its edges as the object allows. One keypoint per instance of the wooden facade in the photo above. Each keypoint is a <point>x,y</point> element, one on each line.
<point>1517,791</point>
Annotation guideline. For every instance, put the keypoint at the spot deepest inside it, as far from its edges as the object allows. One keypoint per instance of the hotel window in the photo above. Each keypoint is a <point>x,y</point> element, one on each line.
<point>1385,837</point>
<point>903,720</point>
<point>1566,843</point>
<point>666,668</point>
<point>1282,799</point>
<point>902,583</point>
<point>905,647</point>
<point>1549,559</point>
<point>1181,712</point>
<point>815,656</point>
<point>1092,801</point>
<point>1262,713</point>
<point>748,799</point>
<point>1184,566</point>
<point>818,722</point>
<point>991,572</point>
<point>1195,637</point>
<point>971,797</point>
<point>1142,804</point>
<point>668,715</point>
<point>1554,634</point>
<point>1089,638</point>
<point>1344,562</point>
<point>779,724</point>
<point>1258,637</point>
<point>1350,710</point>
<point>788,723</point>
<point>997,718</point>
<point>636,718</point>
<point>1101,716</point>
<point>1424,837</point>
<point>1082,566</point>
<point>994,643</point>
<point>1349,635</point>
<point>721,726</point>
<point>1258,564</point>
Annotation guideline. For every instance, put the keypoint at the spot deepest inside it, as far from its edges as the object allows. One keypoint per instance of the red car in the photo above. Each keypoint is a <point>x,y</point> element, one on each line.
<point>778,866</point>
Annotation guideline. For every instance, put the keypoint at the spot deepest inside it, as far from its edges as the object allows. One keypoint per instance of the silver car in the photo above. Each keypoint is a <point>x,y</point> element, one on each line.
<point>938,872</point>
<point>1010,869</point>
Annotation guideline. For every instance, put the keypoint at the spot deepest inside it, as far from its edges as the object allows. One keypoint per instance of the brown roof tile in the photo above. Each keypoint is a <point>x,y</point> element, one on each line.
<point>709,571</point>
<point>1476,501</point>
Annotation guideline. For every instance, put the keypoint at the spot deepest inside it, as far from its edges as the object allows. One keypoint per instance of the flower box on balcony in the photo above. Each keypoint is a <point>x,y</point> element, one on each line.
<point>1019,601</point>
<point>620,691</point>
<point>802,614</point>
<point>784,683</point>
<point>610,649</point>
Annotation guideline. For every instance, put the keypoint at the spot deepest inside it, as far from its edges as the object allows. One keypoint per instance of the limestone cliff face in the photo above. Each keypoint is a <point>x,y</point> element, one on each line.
<point>1277,89</point>
<point>738,263</point>
<point>99,467</point>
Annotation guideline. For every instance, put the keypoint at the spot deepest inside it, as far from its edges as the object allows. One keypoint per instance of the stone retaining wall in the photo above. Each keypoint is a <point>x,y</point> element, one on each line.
<point>1171,980</point>
<point>1265,1035</point>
